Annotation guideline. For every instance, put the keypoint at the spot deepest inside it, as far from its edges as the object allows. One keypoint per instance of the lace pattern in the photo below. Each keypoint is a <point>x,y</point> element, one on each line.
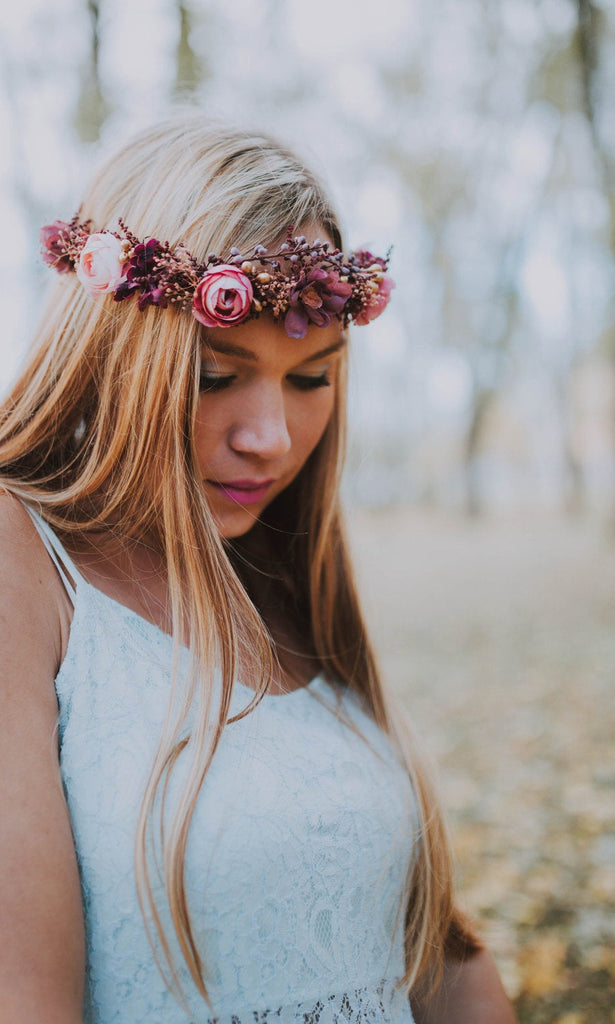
<point>297,856</point>
<point>379,1005</point>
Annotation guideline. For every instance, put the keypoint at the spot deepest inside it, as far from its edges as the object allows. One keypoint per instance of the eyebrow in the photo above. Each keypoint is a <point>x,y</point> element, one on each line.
<point>335,347</point>
<point>226,348</point>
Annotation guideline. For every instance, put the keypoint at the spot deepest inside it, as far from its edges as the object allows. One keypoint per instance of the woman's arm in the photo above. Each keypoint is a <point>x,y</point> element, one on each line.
<point>41,935</point>
<point>470,993</point>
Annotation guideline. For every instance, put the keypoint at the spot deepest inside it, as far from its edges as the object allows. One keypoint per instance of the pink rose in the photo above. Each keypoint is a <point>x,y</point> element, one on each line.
<point>378,303</point>
<point>223,297</point>
<point>101,263</point>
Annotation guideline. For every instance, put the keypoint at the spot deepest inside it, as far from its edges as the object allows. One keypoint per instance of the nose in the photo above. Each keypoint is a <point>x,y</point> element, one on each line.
<point>261,428</point>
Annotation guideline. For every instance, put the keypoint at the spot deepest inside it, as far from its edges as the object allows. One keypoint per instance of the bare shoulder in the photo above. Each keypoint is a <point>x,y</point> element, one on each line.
<point>17,534</point>
<point>41,940</point>
<point>34,608</point>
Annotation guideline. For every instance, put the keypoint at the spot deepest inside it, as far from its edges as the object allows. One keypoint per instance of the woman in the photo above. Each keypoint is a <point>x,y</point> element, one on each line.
<point>237,830</point>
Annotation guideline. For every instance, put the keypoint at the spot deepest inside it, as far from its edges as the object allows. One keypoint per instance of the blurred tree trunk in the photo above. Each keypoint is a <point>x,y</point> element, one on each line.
<point>575,496</point>
<point>485,394</point>
<point>190,70</point>
<point>91,109</point>
<point>591,23</point>
<point>483,400</point>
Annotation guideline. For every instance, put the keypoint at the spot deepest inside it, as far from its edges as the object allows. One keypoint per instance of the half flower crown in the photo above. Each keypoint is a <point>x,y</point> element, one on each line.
<point>304,282</point>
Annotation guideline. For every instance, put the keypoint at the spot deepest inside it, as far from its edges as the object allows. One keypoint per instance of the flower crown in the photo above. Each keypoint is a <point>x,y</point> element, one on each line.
<point>302,283</point>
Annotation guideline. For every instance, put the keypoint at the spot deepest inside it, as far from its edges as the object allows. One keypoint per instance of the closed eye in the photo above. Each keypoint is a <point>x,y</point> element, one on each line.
<point>215,382</point>
<point>306,382</point>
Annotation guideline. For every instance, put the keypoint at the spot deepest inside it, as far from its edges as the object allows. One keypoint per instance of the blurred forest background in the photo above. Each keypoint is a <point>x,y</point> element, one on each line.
<point>477,136</point>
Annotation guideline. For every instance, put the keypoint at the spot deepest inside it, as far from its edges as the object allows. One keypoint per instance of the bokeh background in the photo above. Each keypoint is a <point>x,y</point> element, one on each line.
<point>477,137</point>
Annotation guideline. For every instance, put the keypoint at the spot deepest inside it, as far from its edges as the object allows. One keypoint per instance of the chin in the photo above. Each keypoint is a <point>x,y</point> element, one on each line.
<point>232,526</point>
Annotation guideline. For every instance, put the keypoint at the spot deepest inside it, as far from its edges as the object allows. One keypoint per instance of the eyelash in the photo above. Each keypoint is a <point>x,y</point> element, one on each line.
<point>211,384</point>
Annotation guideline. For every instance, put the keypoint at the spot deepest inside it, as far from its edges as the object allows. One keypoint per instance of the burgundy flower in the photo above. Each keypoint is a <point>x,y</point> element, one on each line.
<point>54,241</point>
<point>317,297</point>
<point>223,297</point>
<point>364,258</point>
<point>141,276</point>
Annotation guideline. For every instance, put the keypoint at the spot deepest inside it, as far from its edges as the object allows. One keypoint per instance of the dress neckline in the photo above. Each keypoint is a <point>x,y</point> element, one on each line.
<point>74,581</point>
<point>81,583</point>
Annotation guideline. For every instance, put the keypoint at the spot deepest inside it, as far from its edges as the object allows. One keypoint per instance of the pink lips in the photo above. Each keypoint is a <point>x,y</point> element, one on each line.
<point>243,492</point>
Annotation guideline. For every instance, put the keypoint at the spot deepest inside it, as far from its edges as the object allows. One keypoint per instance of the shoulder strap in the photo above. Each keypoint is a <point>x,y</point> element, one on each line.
<point>67,569</point>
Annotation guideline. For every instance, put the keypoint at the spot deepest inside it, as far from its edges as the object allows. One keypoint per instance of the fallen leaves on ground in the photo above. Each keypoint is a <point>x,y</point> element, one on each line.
<point>500,637</point>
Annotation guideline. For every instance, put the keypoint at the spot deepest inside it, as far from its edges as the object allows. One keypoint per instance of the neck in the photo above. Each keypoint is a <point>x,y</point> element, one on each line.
<point>266,574</point>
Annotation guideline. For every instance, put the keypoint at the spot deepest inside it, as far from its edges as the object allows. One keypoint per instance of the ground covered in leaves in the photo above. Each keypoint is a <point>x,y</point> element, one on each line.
<point>500,636</point>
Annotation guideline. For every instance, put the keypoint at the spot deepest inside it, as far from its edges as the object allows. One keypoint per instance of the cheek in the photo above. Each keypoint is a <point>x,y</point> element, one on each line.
<point>311,422</point>
<point>208,435</point>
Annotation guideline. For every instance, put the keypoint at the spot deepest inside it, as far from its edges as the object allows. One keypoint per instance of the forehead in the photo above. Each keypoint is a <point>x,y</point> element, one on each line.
<point>264,340</point>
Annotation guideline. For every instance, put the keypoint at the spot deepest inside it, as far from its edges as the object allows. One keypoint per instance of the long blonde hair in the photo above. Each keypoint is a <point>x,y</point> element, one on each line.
<point>98,433</point>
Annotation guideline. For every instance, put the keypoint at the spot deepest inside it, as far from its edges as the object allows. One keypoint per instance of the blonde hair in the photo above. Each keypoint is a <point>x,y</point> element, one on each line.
<point>98,432</point>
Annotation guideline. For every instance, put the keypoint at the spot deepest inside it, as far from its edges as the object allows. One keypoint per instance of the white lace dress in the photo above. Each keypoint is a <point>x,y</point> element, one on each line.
<point>297,854</point>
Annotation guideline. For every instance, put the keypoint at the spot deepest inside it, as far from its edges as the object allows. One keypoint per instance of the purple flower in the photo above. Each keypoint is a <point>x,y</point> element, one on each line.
<point>317,297</point>
<point>54,241</point>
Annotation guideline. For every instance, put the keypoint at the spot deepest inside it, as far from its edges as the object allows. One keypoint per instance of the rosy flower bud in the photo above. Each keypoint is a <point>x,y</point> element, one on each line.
<point>223,297</point>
